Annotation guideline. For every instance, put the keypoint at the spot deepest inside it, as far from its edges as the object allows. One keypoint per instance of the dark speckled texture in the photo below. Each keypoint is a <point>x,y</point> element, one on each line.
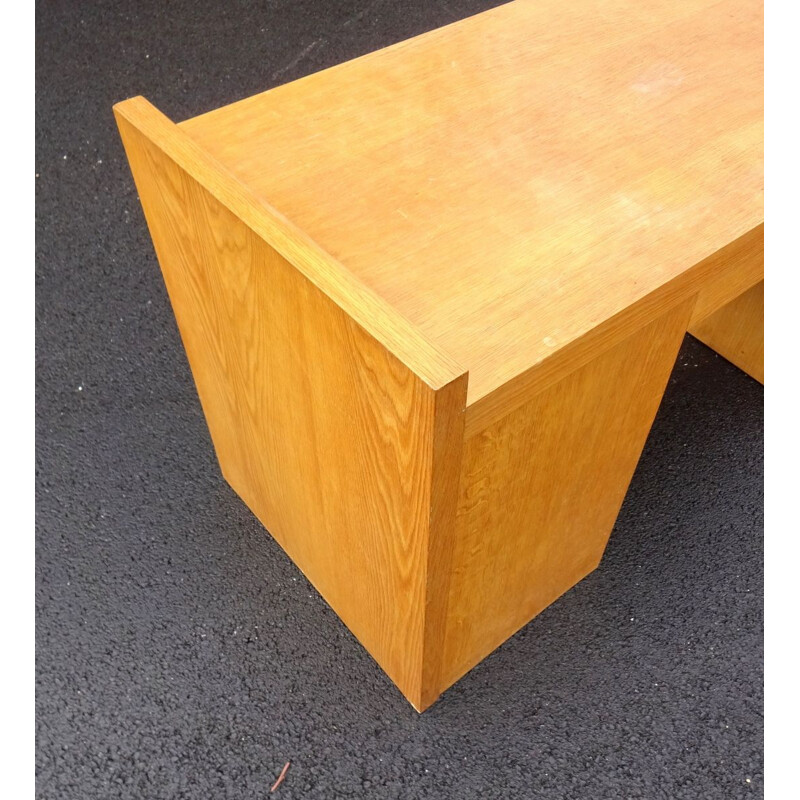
<point>180,653</point>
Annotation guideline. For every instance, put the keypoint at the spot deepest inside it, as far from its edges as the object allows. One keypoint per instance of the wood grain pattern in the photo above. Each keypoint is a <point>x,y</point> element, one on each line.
<point>721,276</point>
<point>739,268</point>
<point>371,312</point>
<point>513,181</point>
<point>348,457</point>
<point>541,489</point>
<point>736,331</point>
<point>431,297</point>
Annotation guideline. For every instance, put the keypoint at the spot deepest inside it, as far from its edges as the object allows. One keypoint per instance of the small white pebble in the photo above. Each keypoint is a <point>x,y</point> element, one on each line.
<point>65,158</point>
<point>80,388</point>
<point>747,780</point>
<point>99,160</point>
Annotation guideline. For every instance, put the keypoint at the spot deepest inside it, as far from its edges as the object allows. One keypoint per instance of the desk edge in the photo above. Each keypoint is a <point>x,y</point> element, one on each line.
<point>399,336</point>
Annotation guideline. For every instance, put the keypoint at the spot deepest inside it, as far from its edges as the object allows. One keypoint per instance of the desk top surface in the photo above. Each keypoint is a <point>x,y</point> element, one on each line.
<point>512,180</point>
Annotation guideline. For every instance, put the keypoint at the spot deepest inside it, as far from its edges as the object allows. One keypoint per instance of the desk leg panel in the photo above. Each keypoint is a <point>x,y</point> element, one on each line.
<point>541,489</point>
<point>346,455</point>
<point>736,331</point>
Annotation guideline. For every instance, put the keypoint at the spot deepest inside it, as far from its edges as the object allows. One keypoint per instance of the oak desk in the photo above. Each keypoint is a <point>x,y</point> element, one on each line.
<point>431,297</point>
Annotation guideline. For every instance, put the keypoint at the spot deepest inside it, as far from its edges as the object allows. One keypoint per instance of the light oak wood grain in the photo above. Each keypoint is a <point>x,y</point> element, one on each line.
<point>431,297</point>
<point>739,267</point>
<point>349,458</point>
<point>371,312</point>
<point>515,180</point>
<point>541,489</point>
<point>718,278</point>
<point>736,331</point>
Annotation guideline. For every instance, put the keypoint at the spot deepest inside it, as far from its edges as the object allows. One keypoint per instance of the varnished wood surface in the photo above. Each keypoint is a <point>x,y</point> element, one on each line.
<point>736,331</point>
<point>371,312</point>
<point>737,269</point>
<point>431,297</point>
<point>541,489</point>
<point>713,282</point>
<point>348,457</point>
<point>512,182</point>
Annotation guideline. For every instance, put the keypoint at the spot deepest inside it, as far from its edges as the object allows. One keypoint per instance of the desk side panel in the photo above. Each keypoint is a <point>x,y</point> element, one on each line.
<point>541,489</point>
<point>347,456</point>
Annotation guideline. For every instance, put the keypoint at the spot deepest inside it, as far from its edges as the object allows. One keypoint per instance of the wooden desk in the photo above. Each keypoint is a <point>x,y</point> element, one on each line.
<point>431,297</point>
